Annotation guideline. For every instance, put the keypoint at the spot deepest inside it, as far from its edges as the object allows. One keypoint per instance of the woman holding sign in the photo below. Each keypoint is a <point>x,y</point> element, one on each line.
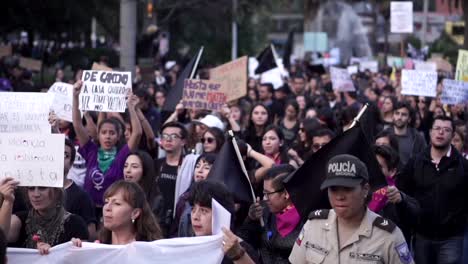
<point>104,161</point>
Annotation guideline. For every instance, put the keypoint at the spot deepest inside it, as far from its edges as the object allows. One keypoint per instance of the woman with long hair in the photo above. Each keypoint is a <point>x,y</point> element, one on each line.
<point>290,123</point>
<point>212,140</point>
<point>273,145</point>
<point>259,119</point>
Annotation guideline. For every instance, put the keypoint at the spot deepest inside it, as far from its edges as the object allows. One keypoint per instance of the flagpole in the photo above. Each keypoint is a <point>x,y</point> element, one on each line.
<point>274,53</point>
<point>194,69</point>
<point>361,112</point>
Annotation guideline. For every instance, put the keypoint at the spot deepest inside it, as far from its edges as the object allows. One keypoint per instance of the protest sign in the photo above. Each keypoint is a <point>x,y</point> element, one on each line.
<point>401,17</point>
<point>352,69</point>
<point>315,41</point>
<point>422,83</point>
<point>393,61</point>
<point>5,50</point>
<point>25,112</point>
<point>99,67</point>
<point>341,80</point>
<point>33,159</point>
<point>461,74</point>
<point>105,91</point>
<point>63,100</point>
<point>454,92</point>
<point>425,66</point>
<point>30,64</point>
<point>203,94</point>
<point>371,65</point>
<point>233,77</point>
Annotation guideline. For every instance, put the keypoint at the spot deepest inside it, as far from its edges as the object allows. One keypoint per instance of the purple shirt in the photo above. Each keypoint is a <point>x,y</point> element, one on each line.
<point>95,182</point>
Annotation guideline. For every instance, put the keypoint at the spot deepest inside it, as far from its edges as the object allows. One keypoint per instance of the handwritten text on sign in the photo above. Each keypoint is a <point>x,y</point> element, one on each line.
<point>63,100</point>
<point>341,80</point>
<point>422,83</point>
<point>105,91</point>
<point>32,159</point>
<point>202,94</point>
<point>461,74</point>
<point>233,78</point>
<point>25,112</point>
<point>454,92</point>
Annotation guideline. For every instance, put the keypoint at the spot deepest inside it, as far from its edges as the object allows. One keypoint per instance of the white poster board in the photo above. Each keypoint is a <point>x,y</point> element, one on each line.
<point>454,92</point>
<point>353,69</point>
<point>424,66</point>
<point>401,17</point>
<point>371,65</point>
<point>63,100</point>
<point>33,159</point>
<point>341,80</point>
<point>422,83</point>
<point>25,112</point>
<point>105,91</point>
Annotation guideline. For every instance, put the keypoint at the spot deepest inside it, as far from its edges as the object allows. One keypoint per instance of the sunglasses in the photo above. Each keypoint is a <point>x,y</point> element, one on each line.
<point>208,140</point>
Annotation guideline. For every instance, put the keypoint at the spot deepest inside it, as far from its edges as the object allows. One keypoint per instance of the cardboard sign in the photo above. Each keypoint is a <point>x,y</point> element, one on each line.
<point>233,77</point>
<point>315,41</point>
<point>63,100</point>
<point>203,94</point>
<point>454,92</point>
<point>30,64</point>
<point>461,74</point>
<point>371,65</point>
<point>99,67</point>
<point>105,91</point>
<point>5,51</point>
<point>425,66</point>
<point>401,17</point>
<point>422,83</point>
<point>25,113</point>
<point>341,80</point>
<point>33,159</point>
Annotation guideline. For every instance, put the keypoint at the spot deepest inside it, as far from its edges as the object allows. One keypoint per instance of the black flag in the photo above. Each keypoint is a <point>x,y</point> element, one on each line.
<point>228,170</point>
<point>266,61</point>
<point>304,184</point>
<point>175,93</point>
<point>288,48</point>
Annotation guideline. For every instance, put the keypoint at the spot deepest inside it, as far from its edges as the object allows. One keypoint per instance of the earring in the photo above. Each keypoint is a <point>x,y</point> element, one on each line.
<point>133,221</point>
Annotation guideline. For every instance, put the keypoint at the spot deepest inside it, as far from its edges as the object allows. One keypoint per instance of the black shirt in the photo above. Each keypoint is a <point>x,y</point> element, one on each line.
<point>167,183</point>
<point>78,202</point>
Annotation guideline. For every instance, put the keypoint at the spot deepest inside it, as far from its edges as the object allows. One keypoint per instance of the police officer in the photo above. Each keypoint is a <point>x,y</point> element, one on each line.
<point>349,233</point>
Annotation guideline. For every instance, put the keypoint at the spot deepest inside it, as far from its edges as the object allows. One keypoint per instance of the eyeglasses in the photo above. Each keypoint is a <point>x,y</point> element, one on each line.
<point>170,137</point>
<point>266,195</point>
<point>208,140</point>
<point>444,129</point>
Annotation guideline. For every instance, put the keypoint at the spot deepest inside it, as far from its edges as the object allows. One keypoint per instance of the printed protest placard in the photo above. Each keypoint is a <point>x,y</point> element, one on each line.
<point>33,159</point>
<point>461,74</point>
<point>5,50</point>
<point>341,80</point>
<point>203,94</point>
<point>233,77</point>
<point>315,41</point>
<point>425,66</point>
<point>371,65</point>
<point>401,17</point>
<point>25,112</point>
<point>422,83</point>
<point>454,92</point>
<point>105,91</point>
<point>30,64</point>
<point>63,100</point>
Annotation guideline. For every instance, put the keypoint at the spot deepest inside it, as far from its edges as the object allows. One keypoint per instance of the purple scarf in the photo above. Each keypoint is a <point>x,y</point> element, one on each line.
<point>287,221</point>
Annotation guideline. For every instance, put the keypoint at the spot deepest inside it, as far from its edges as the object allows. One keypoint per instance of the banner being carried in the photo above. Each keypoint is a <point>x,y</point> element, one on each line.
<point>233,78</point>
<point>63,100</point>
<point>421,83</point>
<point>454,92</point>
<point>105,91</point>
<point>341,80</point>
<point>203,94</point>
<point>461,74</point>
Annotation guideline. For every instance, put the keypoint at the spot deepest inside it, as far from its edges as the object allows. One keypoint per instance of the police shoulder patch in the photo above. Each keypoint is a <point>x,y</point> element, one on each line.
<point>319,214</point>
<point>404,253</point>
<point>384,224</point>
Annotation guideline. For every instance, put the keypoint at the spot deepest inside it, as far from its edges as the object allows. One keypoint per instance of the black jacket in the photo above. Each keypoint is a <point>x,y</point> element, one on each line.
<point>440,193</point>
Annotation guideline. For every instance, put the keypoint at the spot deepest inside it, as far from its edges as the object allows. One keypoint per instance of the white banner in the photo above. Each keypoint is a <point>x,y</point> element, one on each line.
<point>401,17</point>
<point>25,113</point>
<point>371,65</point>
<point>454,92</point>
<point>105,91</point>
<point>424,66</point>
<point>341,80</point>
<point>422,83</point>
<point>63,100</point>
<point>33,159</point>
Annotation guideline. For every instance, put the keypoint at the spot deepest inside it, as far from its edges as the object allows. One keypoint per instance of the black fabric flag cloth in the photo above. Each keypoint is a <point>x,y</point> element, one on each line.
<point>228,170</point>
<point>175,93</point>
<point>266,61</point>
<point>304,184</point>
<point>288,48</point>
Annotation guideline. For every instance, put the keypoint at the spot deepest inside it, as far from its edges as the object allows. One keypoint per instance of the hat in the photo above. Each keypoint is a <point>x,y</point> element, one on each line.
<point>345,170</point>
<point>211,121</point>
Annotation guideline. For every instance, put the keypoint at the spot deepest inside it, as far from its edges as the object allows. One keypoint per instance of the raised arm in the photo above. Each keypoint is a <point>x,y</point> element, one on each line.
<point>178,110</point>
<point>91,126</point>
<point>135,137</point>
<point>264,161</point>
<point>80,131</point>
<point>7,190</point>
<point>147,129</point>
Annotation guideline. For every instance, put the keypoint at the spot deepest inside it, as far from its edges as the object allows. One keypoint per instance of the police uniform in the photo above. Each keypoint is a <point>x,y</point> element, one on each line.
<point>377,240</point>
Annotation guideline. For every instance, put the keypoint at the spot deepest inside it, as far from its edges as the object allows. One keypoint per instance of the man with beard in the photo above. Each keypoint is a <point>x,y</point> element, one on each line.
<point>437,180</point>
<point>410,141</point>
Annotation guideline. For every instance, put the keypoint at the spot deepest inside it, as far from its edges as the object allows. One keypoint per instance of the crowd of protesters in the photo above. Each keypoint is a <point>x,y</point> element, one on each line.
<point>141,175</point>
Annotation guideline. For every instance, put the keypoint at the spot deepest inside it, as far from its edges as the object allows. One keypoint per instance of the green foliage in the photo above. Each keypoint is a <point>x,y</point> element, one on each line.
<point>446,47</point>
